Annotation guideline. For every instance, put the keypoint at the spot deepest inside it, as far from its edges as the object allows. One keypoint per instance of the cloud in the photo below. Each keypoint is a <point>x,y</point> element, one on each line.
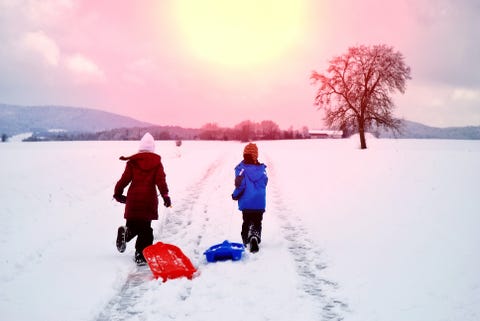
<point>445,43</point>
<point>440,105</point>
<point>467,95</point>
<point>84,69</point>
<point>39,43</point>
<point>80,68</point>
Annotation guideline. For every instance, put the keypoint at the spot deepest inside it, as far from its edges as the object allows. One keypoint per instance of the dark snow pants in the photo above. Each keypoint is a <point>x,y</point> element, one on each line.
<point>252,225</point>
<point>144,232</point>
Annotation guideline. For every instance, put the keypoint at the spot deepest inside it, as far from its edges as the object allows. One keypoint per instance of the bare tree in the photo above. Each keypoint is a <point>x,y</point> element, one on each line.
<point>245,130</point>
<point>269,129</point>
<point>355,90</point>
<point>210,131</point>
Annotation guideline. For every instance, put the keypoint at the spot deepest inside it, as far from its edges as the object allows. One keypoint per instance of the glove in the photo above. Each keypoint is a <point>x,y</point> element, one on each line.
<point>167,202</point>
<point>238,181</point>
<point>120,198</point>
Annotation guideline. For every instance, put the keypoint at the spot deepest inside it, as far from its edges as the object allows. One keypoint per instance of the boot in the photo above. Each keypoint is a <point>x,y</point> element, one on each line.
<point>121,239</point>
<point>254,244</point>
<point>140,259</point>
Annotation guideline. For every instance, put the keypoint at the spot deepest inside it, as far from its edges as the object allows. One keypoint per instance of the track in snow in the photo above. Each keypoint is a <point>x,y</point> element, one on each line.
<point>122,305</point>
<point>306,255</point>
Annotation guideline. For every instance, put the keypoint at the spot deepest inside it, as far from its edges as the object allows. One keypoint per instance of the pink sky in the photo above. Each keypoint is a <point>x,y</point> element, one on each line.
<point>136,58</point>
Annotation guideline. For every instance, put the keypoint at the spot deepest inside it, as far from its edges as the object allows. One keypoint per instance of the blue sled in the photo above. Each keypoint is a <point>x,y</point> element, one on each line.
<point>225,251</point>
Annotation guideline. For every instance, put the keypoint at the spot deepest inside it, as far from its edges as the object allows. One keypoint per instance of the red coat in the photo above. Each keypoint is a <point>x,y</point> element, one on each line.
<point>144,172</point>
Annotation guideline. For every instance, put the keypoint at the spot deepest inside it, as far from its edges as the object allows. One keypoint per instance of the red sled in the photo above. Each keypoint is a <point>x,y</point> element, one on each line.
<point>168,262</point>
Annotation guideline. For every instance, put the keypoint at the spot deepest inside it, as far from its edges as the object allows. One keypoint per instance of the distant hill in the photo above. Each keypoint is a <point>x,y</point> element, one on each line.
<point>74,123</point>
<point>21,119</point>
<point>416,130</point>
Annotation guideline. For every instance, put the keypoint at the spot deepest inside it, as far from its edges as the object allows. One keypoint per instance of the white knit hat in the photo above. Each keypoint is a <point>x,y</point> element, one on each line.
<point>147,143</point>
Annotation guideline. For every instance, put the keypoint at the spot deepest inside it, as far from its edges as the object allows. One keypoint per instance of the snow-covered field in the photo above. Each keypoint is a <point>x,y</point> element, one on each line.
<point>386,234</point>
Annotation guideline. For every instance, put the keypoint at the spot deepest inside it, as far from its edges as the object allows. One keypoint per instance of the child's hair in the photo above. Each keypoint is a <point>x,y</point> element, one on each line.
<point>248,159</point>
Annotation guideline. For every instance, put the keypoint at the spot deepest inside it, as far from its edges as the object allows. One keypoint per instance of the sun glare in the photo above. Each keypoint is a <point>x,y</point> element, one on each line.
<point>239,33</point>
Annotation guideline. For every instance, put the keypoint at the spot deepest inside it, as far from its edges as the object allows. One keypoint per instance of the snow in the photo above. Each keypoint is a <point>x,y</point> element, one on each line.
<point>19,137</point>
<point>387,233</point>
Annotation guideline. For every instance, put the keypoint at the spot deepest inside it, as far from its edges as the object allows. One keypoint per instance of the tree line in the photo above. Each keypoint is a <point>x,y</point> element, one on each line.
<point>244,131</point>
<point>248,130</point>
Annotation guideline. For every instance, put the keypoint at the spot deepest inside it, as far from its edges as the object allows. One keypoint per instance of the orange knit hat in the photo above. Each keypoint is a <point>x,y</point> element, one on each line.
<point>251,149</point>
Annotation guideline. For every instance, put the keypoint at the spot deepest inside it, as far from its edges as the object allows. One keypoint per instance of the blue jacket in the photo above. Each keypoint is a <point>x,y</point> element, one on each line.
<point>250,186</point>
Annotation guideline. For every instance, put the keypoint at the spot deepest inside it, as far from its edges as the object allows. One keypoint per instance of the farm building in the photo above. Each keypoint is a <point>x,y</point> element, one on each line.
<point>324,133</point>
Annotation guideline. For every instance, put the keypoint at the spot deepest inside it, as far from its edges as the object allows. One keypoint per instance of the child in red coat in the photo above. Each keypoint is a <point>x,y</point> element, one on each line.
<point>144,172</point>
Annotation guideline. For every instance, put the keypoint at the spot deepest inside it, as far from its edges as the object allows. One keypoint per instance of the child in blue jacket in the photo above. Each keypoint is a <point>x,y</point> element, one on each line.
<point>250,192</point>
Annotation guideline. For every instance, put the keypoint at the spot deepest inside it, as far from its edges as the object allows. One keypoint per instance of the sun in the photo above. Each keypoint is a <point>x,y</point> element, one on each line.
<point>239,33</point>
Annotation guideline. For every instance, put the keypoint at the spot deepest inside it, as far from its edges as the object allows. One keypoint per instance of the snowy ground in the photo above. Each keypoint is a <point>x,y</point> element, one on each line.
<point>387,234</point>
